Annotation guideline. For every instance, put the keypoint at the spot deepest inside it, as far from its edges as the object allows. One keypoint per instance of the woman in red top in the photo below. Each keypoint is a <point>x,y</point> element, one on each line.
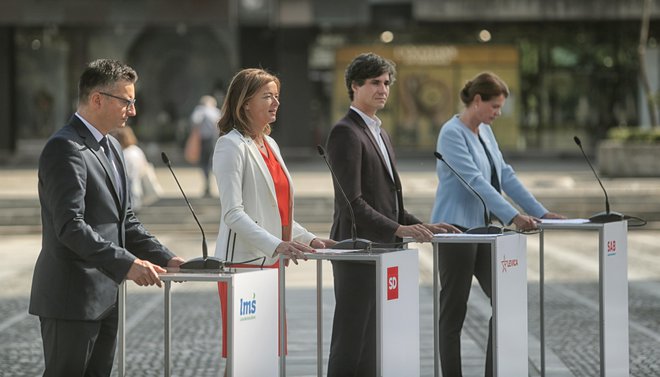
<point>256,191</point>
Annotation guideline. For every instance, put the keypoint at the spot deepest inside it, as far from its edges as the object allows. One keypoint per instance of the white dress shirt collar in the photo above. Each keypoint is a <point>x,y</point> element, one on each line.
<point>97,134</point>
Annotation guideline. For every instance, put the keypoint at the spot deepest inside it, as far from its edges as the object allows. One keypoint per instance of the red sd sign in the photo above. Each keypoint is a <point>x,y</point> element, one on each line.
<point>392,283</point>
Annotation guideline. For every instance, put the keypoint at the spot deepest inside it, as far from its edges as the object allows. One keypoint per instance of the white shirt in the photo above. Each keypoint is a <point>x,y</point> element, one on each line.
<point>98,136</point>
<point>374,125</point>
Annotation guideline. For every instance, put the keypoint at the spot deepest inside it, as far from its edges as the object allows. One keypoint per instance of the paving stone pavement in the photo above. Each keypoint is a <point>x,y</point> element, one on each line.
<point>571,284</point>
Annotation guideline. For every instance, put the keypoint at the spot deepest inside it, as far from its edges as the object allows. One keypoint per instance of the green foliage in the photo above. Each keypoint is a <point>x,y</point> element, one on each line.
<point>634,135</point>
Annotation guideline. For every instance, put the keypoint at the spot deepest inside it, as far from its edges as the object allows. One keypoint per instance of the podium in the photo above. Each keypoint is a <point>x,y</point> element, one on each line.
<point>251,320</point>
<point>397,298</point>
<point>613,292</point>
<point>509,299</point>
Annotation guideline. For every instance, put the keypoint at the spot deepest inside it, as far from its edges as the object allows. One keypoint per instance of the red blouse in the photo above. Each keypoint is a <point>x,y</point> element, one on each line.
<point>282,189</point>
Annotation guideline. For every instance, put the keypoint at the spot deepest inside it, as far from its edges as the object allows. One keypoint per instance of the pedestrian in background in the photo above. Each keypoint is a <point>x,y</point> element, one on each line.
<point>467,143</point>
<point>91,239</point>
<point>203,134</point>
<point>143,184</point>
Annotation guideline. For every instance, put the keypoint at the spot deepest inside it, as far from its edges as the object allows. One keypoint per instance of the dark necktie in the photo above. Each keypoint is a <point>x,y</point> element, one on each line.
<point>113,163</point>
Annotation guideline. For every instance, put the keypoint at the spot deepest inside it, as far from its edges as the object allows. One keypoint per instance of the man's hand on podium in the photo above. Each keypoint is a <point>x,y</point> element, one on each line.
<point>442,228</point>
<point>144,273</point>
<point>322,243</point>
<point>419,232</point>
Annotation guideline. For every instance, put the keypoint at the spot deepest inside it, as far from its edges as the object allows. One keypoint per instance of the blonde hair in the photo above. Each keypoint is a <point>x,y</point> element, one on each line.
<point>125,135</point>
<point>242,88</point>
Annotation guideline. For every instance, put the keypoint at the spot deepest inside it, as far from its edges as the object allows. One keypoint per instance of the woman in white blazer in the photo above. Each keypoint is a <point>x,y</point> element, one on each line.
<point>467,143</point>
<point>256,191</point>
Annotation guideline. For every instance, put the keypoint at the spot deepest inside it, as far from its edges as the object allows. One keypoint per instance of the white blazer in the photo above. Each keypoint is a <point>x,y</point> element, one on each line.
<point>250,225</point>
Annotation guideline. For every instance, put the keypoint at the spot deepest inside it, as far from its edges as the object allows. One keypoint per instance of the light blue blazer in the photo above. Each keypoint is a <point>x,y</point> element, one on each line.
<point>457,204</point>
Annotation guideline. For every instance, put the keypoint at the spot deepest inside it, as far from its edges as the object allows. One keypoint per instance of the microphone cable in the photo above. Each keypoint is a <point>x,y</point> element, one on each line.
<point>641,222</point>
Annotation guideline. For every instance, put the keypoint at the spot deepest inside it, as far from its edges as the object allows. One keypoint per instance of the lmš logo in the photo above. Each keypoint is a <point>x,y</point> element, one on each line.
<point>248,308</point>
<point>508,263</point>
<point>392,283</point>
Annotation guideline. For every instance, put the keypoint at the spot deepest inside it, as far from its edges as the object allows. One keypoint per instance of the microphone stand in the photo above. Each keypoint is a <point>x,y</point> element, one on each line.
<point>488,228</point>
<point>601,217</point>
<point>353,242</point>
<point>199,264</point>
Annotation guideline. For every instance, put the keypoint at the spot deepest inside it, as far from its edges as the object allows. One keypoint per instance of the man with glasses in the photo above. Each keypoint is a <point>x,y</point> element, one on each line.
<point>91,239</point>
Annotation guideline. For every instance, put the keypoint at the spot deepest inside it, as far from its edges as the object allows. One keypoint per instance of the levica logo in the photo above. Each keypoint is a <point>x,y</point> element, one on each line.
<point>392,283</point>
<point>508,263</point>
<point>248,308</point>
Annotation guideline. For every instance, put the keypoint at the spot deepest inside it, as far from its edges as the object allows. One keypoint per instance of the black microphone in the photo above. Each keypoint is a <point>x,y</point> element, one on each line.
<point>601,217</point>
<point>205,263</point>
<point>488,228</point>
<point>354,242</point>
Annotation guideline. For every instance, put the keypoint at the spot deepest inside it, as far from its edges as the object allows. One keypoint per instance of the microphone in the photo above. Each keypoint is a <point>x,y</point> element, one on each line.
<point>488,228</point>
<point>601,217</point>
<point>354,242</point>
<point>205,263</point>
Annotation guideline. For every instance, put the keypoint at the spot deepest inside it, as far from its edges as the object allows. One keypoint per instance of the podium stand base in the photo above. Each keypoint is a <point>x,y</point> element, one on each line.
<point>606,217</point>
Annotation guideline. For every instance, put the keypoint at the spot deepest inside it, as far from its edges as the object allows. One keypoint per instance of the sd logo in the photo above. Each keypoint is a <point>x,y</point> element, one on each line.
<point>392,283</point>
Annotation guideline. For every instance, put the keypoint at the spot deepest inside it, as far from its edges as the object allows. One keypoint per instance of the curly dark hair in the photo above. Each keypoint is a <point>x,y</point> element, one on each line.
<point>366,66</point>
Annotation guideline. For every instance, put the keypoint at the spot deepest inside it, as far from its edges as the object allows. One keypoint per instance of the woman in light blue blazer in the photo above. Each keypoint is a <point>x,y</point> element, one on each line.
<point>468,145</point>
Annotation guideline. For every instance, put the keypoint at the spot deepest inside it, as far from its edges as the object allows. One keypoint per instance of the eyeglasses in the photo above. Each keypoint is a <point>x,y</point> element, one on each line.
<point>129,102</point>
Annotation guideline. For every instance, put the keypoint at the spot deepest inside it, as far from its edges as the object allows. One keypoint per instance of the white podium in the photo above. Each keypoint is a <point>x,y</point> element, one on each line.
<point>251,322</point>
<point>509,299</point>
<point>397,306</point>
<point>613,292</point>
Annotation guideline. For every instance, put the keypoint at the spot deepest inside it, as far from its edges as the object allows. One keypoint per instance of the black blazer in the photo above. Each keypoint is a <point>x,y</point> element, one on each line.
<point>362,171</point>
<point>87,230</point>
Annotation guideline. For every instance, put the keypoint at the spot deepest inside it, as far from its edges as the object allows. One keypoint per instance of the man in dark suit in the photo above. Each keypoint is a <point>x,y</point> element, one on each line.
<point>91,238</point>
<point>361,155</point>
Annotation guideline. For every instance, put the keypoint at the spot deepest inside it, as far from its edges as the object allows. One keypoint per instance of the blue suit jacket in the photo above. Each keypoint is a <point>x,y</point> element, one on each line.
<point>455,203</point>
<point>87,230</point>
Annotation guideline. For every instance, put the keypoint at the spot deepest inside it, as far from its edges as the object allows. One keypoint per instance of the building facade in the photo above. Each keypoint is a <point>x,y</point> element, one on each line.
<point>572,66</point>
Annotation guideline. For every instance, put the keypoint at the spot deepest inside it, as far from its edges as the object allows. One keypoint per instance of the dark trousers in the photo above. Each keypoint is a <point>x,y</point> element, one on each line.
<point>457,263</point>
<point>206,162</point>
<point>79,348</point>
<point>353,343</point>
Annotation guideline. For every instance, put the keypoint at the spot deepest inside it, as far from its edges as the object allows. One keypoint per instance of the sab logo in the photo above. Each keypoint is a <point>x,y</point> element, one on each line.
<point>611,248</point>
<point>392,283</point>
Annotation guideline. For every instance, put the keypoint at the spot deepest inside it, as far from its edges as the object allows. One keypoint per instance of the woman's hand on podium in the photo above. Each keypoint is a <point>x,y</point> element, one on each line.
<point>524,222</point>
<point>294,250</point>
<point>552,215</point>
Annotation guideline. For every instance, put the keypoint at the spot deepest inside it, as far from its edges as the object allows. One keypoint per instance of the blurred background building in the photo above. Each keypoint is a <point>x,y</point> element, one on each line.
<point>572,66</point>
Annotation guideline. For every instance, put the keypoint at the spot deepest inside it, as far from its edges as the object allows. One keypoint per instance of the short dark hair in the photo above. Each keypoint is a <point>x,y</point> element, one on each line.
<point>366,66</point>
<point>103,73</point>
<point>487,85</point>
